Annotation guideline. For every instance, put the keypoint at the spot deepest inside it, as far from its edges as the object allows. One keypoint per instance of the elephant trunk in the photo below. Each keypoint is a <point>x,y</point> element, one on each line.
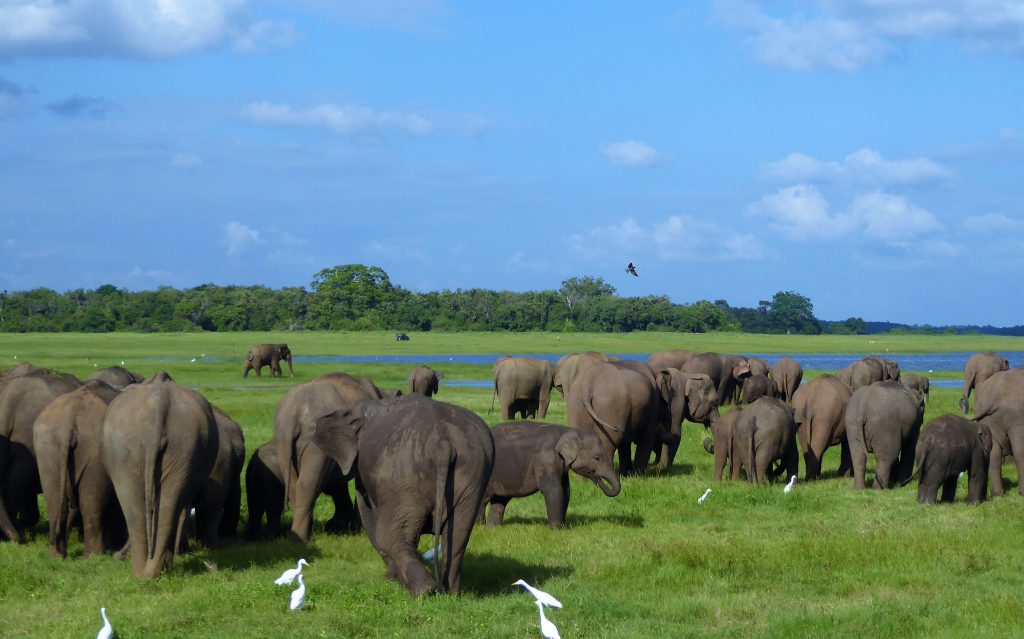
<point>291,371</point>
<point>608,483</point>
<point>709,445</point>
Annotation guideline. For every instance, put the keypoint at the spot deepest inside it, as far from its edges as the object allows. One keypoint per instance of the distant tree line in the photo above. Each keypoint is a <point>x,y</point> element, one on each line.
<point>358,297</point>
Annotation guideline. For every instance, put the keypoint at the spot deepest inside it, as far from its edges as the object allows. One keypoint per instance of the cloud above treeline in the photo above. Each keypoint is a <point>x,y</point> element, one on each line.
<point>631,153</point>
<point>862,166</point>
<point>239,238</point>
<point>672,239</point>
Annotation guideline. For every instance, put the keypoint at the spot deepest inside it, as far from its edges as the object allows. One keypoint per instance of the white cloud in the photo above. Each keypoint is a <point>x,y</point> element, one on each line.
<point>186,161</point>
<point>992,224</point>
<point>239,238</point>
<point>861,166</point>
<point>850,34</point>
<point>153,274</point>
<point>631,153</point>
<point>675,239</point>
<point>801,212</point>
<point>892,219</point>
<point>348,120</point>
<point>267,35</point>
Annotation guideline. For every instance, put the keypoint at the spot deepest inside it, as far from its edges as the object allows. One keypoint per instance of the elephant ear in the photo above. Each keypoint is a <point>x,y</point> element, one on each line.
<point>665,385</point>
<point>985,437</point>
<point>439,374</point>
<point>568,447</point>
<point>337,434</point>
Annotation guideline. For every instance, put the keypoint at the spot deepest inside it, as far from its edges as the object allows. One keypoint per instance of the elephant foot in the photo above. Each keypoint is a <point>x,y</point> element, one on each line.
<point>124,552</point>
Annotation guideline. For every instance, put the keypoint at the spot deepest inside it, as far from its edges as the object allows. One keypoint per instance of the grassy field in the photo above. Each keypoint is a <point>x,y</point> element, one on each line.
<point>822,561</point>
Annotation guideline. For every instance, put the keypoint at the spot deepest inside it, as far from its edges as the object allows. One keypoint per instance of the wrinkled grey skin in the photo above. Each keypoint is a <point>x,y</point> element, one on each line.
<point>890,370</point>
<point>66,437</point>
<point>920,383</point>
<point>306,469</point>
<point>522,386</point>
<point>819,409</point>
<point>159,444</point>
<point>723,433</point>
<point>787,375</point>
<point>684,396</point>
<point>218,508</point>
<point>758,366</point>
<point>531,457</point>
<point>424,380</point>
<point>22,398</point>
<point>117,376</point>
<point>665,360</point>
<point>757,386</point>
<point>264,492</point>
<point>863,373</point>
<point>765,433</point>
<point>885,419</point>
<point>948,446</point>
<point>268,355</point>
<point>980,367</point>
<point>570,366</point>
<point>999,404</point>
<point>421,467</point>
<point>727,371</point>
<point>620,405</point>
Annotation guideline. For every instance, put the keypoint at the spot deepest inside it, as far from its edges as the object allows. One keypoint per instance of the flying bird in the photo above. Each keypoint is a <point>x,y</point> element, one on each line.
<point>631,270</point>
<point>107,631</point>
<point>542,597</point>
<point>700,500</point>
<point>548,629</point>
<point>298,595</point>
<point>289,575</point>
<point>789,486</point>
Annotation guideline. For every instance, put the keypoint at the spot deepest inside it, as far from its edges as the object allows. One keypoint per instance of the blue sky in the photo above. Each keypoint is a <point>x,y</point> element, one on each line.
<point>868,154</point>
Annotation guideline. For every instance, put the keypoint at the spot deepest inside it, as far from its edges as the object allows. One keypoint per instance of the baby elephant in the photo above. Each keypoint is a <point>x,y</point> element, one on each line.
<point>532,456</point>
<point>949,446</point>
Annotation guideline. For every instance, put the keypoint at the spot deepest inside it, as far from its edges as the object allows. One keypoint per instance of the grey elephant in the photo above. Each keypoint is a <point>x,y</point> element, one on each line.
<point>787,375</point>
<point>980,367</point>
<point>889,369</point>
<point>570,366</point>
<point>264,492</point>
<point>268,355</point>
<point>1007,429</point>
<point>885,419</point>
<point>950,445</point>
<point>422,467</point>
<point>424,380</point>
<point>862,373</point>
<point>758,366</point>
<point>727,371</point>
<point>531,457</point>
<point>920,383</point>
<point>22,398</point>
<point>620,405</point>
<point>765,433</point>
<point>159,444</point>
<point>664,360</point>
<point>522,386</point>
<point>218,507</point>
<point>720,444</point>
<point>66,437</point>
<point>117,376</point>
<point>757,386</point>
<point>685,396</point>
<point>820,414</point>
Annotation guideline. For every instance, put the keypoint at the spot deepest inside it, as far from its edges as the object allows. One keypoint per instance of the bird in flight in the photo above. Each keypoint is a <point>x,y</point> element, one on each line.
<point>631,270</point>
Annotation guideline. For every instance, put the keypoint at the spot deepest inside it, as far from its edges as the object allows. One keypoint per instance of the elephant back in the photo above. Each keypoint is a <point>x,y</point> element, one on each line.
<point>1004,390</point>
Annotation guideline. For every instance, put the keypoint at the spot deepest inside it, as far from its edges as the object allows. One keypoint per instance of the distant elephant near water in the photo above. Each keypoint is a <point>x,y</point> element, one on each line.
<point>268,355</point>
<point>117,376</point>
<point>979,368</point>
<point>424,380</point>
<point>523,386</point>
<point>787,375</point>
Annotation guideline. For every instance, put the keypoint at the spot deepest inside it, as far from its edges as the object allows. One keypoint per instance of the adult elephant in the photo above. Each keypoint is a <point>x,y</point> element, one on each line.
<point>787,375</point>
<point>306,469</point>
<point>570,366</point>
<point>159,444</point>
<point>424,380</point>
<point>727,371</point>
<point>820,415</point>
<point>980,367</point>
<point>620,405</point>
<point>117,376</point>
<point>523,386</point>
<point>264,492</point>
<point>268,355</point>
<point>889,369</point>
<point>757,386</point>
<point>422,467</point>
<point>685,396</point>
<point>21,400</point>
<point>885,419</point>
<point>66,437</point>
<point>664,360</point>
<point>218,507</point>
<point>765,433</point>
<point>999,404</point>
<point>920,383</point>
<point>532,456</point>
<point>949,446</point>
<point>758,366</point>
<point>863,373</point>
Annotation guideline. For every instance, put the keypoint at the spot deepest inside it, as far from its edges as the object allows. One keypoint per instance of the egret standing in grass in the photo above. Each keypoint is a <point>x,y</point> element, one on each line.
<point>107,631</point>
<point>538,594</point>
<point>789,486</point>
<point>700,500</point>
<point>547,628</point>
<point>289,575</point>
<point>298,595</point>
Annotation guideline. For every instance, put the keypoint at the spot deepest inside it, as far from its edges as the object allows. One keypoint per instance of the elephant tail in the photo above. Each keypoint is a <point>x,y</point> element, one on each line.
<point>751,451</point>
<point>920,465</point>
<point>587,401</point>
<point>155,441</point>
<point>443,507</point>
<point>64,470</point>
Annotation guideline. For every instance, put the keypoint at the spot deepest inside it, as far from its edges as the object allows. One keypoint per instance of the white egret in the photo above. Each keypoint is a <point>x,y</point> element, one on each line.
<point>538,594</point>
<point>789,486</point>
<point>289,575</point>
<point>298,595</point>
<point>431,553</point>
<point>122,362</point>
<point>548,629</point>
<point>700,500</point>
<point>193,359</point>
<point>107,631</point>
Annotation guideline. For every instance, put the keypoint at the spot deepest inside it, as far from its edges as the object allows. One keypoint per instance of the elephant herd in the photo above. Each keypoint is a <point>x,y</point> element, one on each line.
<point>142,464</point>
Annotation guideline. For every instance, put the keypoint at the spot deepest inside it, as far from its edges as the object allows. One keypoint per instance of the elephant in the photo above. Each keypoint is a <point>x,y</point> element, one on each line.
<point>264,492</point>
<point>117,376</point>
<point>885,419</point>
<point>532,456</point>
<point>720,444</point>
<point>307,471</point>
<point>757,386</point>
<point>948,446</point>
<point>523,386</point>
<point>980,367</point>
<point>864,373</point>
<point>1003,390</point>
<point>1006,426</point>
<point>218,507</point>
<point>920,383</point>
<point>820,414</point>
<point>570,366</point>
<point>889,369</point>
<point>758,366</point>
<point>727,371</point>
<point>619,405</point>
<point>787,375</point>
<point>765,432</point>
<point>66,438</point>
<point>685,396</point>
<point>268,355</point>
<point>22,398</point>
<point>845,375</point>
<point>665,360</point>
<point>422,467</point>
<point>424,380</point>
<point>159,442</point>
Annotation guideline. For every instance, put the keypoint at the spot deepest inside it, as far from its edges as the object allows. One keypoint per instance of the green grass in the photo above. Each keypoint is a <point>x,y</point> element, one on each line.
<point>823,561</point>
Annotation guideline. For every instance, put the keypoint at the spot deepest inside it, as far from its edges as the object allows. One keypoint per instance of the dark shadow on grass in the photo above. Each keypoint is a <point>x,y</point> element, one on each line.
<point>487,574</point>
<point>239,554</point>
<point>677,469</point>
<point>576,521</point>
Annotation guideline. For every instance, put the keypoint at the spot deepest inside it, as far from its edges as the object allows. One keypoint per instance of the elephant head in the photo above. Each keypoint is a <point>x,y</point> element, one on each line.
<point>282,352</point>
<point>582,452</point>
<point>689,395</point>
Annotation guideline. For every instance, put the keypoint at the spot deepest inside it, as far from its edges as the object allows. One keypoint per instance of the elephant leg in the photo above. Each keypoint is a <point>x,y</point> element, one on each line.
<point>93,490</point>
<point>556,498</point>
<point>927,488</point>
<point>307,487</point>
<point>398,533</point>
<point>995,470</point>
<point>456,537</point>
<point>949,489</point>
<point>845,461</point>
<point>884,468</point>
<point>812,465</point>
<point>345,518</point>
<point>245,371</point>
<point>545,400</point>
<point>496,513</point>
<point>56,511</point>
<point>625,458</point>
<point>859,461</point>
